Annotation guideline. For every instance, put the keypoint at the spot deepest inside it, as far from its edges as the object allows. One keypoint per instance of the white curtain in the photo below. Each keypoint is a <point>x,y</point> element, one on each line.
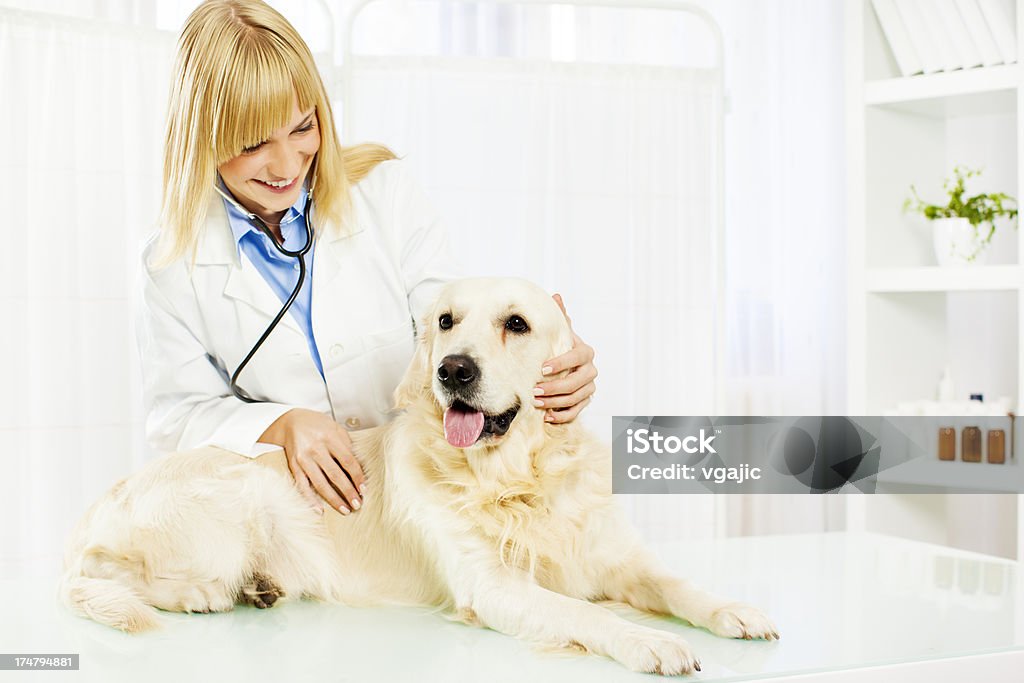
<point>81,120</point>
<point>594,181</point>
<point>785,231</point>
<point>785,218</point>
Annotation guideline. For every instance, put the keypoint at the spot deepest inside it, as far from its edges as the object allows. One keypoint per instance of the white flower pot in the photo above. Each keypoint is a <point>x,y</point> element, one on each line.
<point>957,243</point>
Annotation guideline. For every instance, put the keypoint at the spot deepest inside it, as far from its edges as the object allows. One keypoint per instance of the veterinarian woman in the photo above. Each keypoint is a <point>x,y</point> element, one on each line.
<point>250,137</point>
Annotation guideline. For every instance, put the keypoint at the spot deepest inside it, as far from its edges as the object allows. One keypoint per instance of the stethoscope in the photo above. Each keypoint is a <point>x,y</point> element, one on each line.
<point>299,254</point>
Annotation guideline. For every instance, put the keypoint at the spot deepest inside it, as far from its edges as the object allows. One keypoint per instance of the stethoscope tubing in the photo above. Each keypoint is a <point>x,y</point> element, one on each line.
<point>299,255</point>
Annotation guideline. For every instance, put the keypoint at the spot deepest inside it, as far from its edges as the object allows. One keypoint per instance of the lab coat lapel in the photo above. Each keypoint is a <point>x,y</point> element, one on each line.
<point>328,265</point>
<point>329,253</point>
<point>244,283</point>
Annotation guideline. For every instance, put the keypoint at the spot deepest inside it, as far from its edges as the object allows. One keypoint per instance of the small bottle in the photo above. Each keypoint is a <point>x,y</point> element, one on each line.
<point>971,449</point>
<point>996,446</point>
<point>947,443</point>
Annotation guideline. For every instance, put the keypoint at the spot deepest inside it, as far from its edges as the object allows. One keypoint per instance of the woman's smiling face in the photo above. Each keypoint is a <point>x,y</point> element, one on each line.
<point>266,179</point>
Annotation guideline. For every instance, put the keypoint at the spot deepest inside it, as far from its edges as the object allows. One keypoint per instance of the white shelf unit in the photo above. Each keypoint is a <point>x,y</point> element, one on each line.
<point>908,318</point>
<point>938,279</point>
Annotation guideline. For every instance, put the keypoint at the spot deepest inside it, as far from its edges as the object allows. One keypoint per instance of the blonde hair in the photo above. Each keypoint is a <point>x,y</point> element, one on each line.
<point>240,64</point>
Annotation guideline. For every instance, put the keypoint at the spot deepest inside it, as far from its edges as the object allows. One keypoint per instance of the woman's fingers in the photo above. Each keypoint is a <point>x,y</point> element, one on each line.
<point>580,354</point>
<point>567,414</point>
<point>583,389</point>
<point>313,468</point>
<point>338,478</point>
<point>574,381</point>
<point>564,398</point>
<point>302,483</point>
<point>320,457</point>
<point>341,449</point>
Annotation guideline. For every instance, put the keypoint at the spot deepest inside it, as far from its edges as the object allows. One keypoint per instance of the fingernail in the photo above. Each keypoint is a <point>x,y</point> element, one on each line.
<point>356,504</point>
<point>548,417</point>
<point>362,490</point>
<point>319,509</point>
<point>538,391</point>
<point>343,510</point>
<point>539,403</point>
<point>546,370</point>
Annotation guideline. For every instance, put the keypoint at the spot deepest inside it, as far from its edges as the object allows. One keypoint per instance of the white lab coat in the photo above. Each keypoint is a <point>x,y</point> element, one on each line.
<point>196,325</point>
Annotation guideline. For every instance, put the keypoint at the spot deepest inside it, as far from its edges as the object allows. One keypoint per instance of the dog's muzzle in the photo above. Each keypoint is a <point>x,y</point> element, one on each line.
<point>464,424</point>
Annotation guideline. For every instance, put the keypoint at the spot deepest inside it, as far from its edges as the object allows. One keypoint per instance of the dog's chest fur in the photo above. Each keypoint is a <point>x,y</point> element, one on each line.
<point>535,505</point>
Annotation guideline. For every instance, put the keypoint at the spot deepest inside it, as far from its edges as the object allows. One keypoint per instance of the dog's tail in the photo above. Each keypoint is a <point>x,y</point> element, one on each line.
<point>107,601</point>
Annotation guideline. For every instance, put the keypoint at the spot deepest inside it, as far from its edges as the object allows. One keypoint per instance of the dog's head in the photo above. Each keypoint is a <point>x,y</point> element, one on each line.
<point>480,354</point>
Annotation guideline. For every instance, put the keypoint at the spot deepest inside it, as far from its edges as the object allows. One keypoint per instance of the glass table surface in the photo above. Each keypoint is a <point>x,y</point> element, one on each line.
<point>840,601</point>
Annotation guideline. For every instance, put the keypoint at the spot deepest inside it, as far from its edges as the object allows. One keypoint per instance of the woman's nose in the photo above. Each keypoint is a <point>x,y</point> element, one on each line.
<point>285,161</point>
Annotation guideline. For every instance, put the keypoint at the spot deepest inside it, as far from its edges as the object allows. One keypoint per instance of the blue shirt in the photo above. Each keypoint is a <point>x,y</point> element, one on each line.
<point>281,272</point>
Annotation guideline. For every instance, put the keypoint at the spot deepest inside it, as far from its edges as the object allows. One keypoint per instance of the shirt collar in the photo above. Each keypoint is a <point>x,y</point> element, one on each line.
<point>239,220</point>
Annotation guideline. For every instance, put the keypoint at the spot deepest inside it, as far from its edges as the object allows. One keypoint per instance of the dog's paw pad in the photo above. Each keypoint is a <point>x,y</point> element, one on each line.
<point>653,651</point>
<point>261,592</point>
<point>742,621</point>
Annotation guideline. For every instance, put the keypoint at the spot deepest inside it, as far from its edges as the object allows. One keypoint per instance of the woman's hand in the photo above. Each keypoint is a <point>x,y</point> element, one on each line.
<point>564,398</point>
<point>319,454</point>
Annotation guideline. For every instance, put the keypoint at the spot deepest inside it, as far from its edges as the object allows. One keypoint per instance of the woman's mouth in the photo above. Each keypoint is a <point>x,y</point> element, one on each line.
<point>277,187</point>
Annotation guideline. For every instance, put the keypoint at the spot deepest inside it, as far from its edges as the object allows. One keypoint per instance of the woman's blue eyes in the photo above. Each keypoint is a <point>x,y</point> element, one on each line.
<point>305,129</point>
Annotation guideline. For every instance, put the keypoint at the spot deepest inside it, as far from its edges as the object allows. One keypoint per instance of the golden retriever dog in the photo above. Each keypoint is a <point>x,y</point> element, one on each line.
<point>473,504</point>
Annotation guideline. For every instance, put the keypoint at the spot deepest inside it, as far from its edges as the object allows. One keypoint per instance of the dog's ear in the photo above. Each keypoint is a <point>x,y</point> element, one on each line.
<point>416,381</point>
<point>563,340</point>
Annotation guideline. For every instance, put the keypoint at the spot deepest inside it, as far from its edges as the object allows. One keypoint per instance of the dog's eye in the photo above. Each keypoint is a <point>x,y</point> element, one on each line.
<point>445,321</point>
<point>517,325</point>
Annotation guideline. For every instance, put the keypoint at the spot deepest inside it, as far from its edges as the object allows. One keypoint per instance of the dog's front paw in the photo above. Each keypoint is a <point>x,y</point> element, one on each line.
<point>742,621</point>
<point>261,592</point>
<point>653,651</point>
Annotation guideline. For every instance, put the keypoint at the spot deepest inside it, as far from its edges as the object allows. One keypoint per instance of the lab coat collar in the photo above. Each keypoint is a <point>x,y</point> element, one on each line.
<point>217,246</point>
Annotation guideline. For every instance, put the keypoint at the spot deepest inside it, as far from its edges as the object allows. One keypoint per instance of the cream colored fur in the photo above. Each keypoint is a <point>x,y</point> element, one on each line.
<point>517,533</point>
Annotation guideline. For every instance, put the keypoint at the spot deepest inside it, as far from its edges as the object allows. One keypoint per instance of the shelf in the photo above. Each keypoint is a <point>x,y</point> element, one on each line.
<point>944,279</point>
<point>990,90</point>
<point>908,319</point>
<point>979,476</point>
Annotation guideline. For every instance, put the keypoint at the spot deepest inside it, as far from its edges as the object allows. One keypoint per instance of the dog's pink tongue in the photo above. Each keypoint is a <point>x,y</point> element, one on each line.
<point>462,429</point>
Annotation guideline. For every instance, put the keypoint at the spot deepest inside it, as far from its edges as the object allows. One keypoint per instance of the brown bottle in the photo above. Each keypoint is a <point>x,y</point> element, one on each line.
<point>947,443</point>
<point>971,450</point>
<point>996,446</point>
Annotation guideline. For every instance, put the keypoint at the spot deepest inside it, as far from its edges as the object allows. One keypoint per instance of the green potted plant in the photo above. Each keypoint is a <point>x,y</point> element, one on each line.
<point>963,228</point>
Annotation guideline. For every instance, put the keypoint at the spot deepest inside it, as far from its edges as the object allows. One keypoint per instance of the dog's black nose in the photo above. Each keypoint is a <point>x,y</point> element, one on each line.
<point>457,371</point>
